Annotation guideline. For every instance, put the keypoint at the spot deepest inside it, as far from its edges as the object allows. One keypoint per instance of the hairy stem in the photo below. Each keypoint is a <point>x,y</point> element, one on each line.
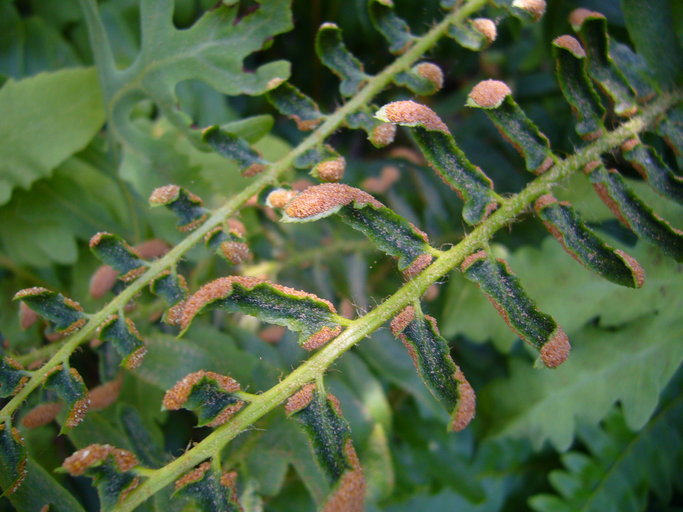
<point>375,85</point>
<point>358,329</point>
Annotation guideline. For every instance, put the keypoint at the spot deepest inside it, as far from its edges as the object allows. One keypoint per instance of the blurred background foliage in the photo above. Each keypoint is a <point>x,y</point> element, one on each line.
<point>601,433</point>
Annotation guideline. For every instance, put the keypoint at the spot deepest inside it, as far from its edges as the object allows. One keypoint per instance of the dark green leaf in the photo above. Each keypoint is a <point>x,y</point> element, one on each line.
<point>183,203</point>
<point>591,27</point>
<point>121,333</point>
<point>13,459</point>
<point>290,101</point>
<point>635,69</point>
<point>495,98</point>
<point>12,376</point>
<point>69,386</point>
<point>65,314</point>
<point>313,317</point>
<point>390,25</point>
<point>210,395</point>
<point>431,356</point>
<point>390,232</point>
<point>446,158</point>
<point>333,53</point>
<point>330,437</point>
<point>653,169</point>
<point>585,246</point>
<point>209,490</point>
<point>651,27</point>
<point>519,311</point>
<point>141,440</point>
<point>40,489</point>
<point>234,148</point>
<point>112,470</point>
<point>570,62</point>
<point>112,250</point>
<point>633,213</point>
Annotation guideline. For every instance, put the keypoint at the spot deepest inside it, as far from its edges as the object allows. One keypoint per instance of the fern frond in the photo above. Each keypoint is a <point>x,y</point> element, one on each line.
<point>622,466</point>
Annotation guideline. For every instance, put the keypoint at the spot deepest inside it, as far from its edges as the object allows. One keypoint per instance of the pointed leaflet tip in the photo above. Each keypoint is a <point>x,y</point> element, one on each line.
<point>488,94</point>
<point>411,114</point>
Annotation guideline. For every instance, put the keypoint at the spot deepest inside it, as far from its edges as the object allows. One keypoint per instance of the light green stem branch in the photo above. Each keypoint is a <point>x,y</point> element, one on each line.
<point>364,97</point>
<point>358,329</point>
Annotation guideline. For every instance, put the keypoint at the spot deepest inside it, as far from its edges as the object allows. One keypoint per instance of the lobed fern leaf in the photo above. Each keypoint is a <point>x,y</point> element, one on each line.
<point>212,51</point>
<point>623,465</point>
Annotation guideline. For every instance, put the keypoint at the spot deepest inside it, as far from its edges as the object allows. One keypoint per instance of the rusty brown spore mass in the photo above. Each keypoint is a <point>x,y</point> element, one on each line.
<point>410,113</point>
<point>300,399</point>
<point>193,476</point>
<point>571,44</point>
<point>176,397</point>
<point>556,350</point>
<point>80,461</point>
<point>320,199</point>
<point>489,93</point>
<point>467,403</point>
<point>349,495</point>
<point>431,72</point>
<point>331,170</point>
<point>222,288</point>
<point>485,27</point>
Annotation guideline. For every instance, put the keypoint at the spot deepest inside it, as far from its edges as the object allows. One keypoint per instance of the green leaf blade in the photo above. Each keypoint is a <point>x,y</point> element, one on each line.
<point>651,27</point>
<point>68,103</point>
